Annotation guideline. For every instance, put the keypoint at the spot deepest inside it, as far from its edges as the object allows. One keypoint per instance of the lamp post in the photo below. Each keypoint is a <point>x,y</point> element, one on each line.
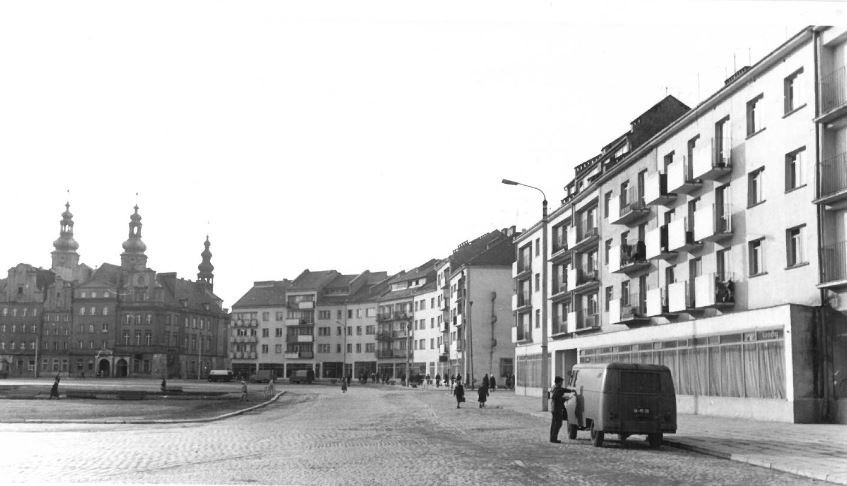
<point>545,377</point>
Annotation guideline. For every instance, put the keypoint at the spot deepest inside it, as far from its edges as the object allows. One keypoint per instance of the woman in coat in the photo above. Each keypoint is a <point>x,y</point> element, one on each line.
<point>483,395</point>
<point>459,391</point>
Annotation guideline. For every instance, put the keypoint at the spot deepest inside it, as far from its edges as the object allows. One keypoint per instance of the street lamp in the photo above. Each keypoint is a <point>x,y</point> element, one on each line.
<point>545,377</point>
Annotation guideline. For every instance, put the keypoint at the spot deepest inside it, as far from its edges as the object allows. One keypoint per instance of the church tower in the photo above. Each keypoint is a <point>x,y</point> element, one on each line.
<point>205,274</point>
<point>133,257</point>
<point>65,257</point>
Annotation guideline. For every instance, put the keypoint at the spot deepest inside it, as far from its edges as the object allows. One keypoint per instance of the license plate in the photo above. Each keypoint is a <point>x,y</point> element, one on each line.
<point>641,412</point>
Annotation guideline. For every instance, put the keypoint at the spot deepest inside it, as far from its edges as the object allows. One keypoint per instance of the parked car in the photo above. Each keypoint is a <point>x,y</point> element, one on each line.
<point>221,375</point>
<point>262,376</point>
<point>302,376</point>
<point>621,398</point>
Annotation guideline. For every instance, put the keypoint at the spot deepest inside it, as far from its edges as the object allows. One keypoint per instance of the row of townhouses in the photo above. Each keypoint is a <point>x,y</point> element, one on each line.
<point>711,240</point>
<point>115,320</point>
<point>446,316</point>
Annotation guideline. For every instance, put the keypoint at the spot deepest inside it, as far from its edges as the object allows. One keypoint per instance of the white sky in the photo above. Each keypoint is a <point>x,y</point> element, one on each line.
<point>332,134</point>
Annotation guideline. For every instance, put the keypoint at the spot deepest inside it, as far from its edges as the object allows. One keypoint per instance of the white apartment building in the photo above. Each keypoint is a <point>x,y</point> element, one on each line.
<point>703,251</point>
<point>427,339</point>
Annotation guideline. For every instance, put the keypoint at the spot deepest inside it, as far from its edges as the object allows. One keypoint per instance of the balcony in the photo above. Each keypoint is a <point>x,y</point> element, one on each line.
<point>680,179</point>
<point>678,297</point>
<point>306,305</point>
<point>559,326</point>
<point>656,190</point>
<point>560,287</point>
<point>295,322</point>
<point>833,91</point>
<point>291,355</point>
<point>629,311</point>
<point>715,162</point>
<point>834,266</point>
<point>305,338</point>
<point>238,355</point>
<point>245,339</point>
<point>584,279</point>
<point>631,211</point>
<point>459,319</point>
<point>656,305</point>
<point>392,316</point>
<point>383,336</point>
<point>713,291</point>
<point>628,259</point>
<point>713,223</point>
<point>657,244</point>
<point>586,235</point>
<point>834,182</point>
<point>521,335</point>
<point>384,353</point>
<point>560,245</point>
<point>582,321</point>
<point>571,236</point>
<point>681,236</point>
<point>250,355</point>
<point>399,334</point>
<point>521,300</point>
<point>521,267</point>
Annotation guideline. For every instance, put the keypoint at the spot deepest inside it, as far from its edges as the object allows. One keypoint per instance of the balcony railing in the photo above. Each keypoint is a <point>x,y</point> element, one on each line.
<point>632,209</point>
<point>656,190</point>
<point>521,334</point>
<point>713,290</point>
<point>679,297</point>
<point>834,265</point>
<point>713,223</point>
<point>833,90</point>
<point>383,336</point>
<point>585,277</point>
<point>392,316</point>
<point>560,242</point>
<point>628,258</point>
<point>559,325</point>
<point>384,353</point>
<point>631,309</point>
<point>680,179</point>
<point>656,304</point>
<point>587,231</point>
<point>582,320</point>
<point>834,176</point>
<point>715,161</point>
<point>657,243</point>
<point>681,235</point>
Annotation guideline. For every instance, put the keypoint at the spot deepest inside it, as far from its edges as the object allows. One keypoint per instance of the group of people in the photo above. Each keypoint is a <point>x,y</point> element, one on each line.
<point>488,386</point>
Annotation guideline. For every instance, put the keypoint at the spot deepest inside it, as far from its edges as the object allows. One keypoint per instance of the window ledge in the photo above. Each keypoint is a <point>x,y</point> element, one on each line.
<point>756,133</point>
<point>757,204</point>
<point>795,188</point>
<point>798,265</point>
<point>795,110</point>
<point>757,274</point>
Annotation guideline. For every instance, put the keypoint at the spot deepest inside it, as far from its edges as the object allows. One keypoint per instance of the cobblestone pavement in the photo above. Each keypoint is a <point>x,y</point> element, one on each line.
<point>370,435</point>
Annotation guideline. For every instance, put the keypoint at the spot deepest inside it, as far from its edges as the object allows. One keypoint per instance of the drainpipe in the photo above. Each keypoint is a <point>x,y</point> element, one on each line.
<point>469,331</point>
<point>493,340</point>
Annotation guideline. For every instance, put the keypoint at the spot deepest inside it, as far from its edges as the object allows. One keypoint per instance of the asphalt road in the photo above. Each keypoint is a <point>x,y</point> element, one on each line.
<point>370,435</point>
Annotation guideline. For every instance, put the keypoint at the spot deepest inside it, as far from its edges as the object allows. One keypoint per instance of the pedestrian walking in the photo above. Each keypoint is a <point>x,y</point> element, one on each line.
<point>483,395</point>
<point>270,390</point>
<point>493,384</point>
<point>54,390</point>
<point>343,385</point>
<point>485,381</point>
<point>438,380</point>
<point>459,392</point>
<point>557,410</point>
<point>243,390</point>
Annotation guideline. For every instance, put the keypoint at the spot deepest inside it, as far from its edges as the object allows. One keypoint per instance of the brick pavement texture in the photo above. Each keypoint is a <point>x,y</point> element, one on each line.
<point>371,435</point>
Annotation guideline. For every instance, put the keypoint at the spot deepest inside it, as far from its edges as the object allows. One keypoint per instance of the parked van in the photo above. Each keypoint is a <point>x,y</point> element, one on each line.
<point>220,375</point>
<point>302,376</point>
<point>621,398</point>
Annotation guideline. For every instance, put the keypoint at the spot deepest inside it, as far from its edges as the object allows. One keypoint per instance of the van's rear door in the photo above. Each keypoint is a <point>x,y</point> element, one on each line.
<point>640,401</point>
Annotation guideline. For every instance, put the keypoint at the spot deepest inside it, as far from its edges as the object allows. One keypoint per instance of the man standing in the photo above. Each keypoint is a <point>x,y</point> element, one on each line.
<point>558,410</point>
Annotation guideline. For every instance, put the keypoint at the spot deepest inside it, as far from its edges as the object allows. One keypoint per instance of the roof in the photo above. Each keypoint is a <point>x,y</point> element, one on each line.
<point>106,275</point>
<point>415,273</point>
<point>501,252</point>
<point>309,280</point>
<point>268,293</point>
<point>467,251</point>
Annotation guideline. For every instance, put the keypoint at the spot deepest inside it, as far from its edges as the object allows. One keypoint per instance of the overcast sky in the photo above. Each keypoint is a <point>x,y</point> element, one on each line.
<point>332,135</point>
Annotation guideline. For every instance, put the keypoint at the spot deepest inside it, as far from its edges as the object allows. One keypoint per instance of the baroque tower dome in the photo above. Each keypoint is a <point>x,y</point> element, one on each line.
<point>206,268</point>
<point>133,256</point>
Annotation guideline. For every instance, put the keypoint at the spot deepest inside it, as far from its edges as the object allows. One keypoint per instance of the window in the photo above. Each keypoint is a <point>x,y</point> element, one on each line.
<point>756,256</point>
<point>264,347</point>
<point>795,174</point>
<point>625,293</point>
<point>358,347</point>
<point>149,319</point>
<point>278,348</point>
<point>370,347</point>
<point>754,124</point>
<point>609,293</point>
<point>755,187</point>
<point>324,314</point>
<point>279,331</point>
<point>537,282</point>
<point>722,265</point>
<point>607,248</point>
<point>338,348</point>
<point>323,348</point>
<point>358,330</point>
<point>537,246</point>
<point>266,332</point>
<point>323,331</point>
<point>104,327</point>
<point>349,313</point>
<point>370,329</point>
<point>606,199</point>
<point>793,92</point>
<point>265,317</point>
<point>105,311</point>
<point>794,246</point>
<point>537,318</point>
<point>81,311</point>
<point>350,347</point>
<point>339,314</point>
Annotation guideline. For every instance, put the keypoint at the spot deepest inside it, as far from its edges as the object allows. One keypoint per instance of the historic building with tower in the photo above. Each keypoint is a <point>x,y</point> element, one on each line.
<point>115,320</point>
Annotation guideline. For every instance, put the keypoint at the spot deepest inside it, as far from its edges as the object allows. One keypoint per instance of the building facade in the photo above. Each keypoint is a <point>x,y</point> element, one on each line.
<point>118,320</point>
<point>698,248</point>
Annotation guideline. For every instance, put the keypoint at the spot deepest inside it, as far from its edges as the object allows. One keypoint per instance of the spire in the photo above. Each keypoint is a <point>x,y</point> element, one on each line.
<point>64,253</point>
<point>133,256</point>
<point>206,268</point>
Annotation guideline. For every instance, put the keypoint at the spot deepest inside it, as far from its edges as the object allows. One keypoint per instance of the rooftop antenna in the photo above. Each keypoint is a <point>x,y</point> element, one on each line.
<point>734,67</point>
<point>749,58</point>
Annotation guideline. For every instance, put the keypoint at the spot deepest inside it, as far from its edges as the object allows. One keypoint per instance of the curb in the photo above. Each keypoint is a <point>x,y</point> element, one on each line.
<point>836,478</point>
<point>148,421</point>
